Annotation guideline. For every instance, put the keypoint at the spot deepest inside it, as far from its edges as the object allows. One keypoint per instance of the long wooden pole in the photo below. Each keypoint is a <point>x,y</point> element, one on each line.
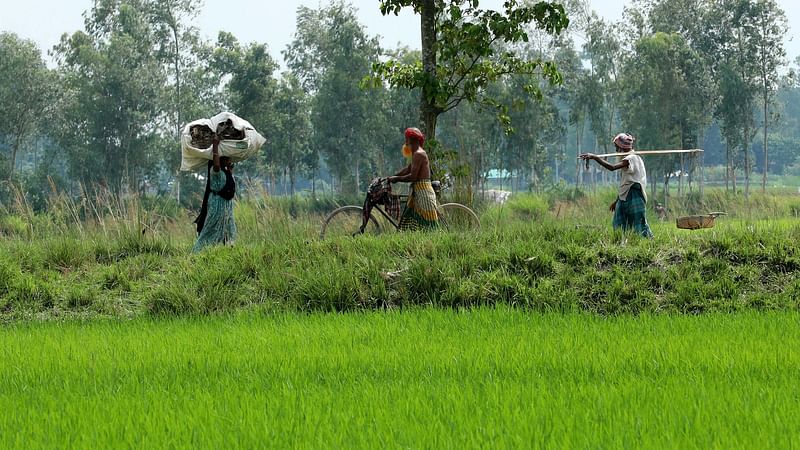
<point>651,152</point>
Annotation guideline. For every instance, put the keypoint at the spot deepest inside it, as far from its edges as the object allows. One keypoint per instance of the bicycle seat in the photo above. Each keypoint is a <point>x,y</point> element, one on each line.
<point>437,185</point>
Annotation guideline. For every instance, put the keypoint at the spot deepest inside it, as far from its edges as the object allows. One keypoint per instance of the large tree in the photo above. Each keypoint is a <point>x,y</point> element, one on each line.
<point>250,89</point>
<point>733,56</point>
<point>460,57</point>
<point>594,87</point>
<point>176,43</point>
<point>291,131</point>
<point>331,53</point>
<point>113,84</point>
<point>26,92</point>
<point>660,106</point>
<point>394,110</point>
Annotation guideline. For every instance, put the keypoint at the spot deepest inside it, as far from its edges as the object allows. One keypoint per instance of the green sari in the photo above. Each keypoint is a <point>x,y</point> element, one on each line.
<point>219,227</point>
<point>630,214</point>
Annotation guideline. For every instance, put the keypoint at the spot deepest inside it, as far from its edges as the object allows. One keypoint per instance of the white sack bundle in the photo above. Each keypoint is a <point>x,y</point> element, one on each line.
<point>195,156</point>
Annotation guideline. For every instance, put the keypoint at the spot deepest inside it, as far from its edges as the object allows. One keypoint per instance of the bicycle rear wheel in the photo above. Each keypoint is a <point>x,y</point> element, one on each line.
<point>346,221</point>
<point>457,217</point>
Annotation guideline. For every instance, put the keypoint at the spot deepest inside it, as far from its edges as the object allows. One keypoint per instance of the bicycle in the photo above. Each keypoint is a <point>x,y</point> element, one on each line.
<point>347,220</point>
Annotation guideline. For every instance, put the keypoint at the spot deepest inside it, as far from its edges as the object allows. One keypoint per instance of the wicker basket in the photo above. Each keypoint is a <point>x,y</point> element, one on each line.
<point>696,222</point>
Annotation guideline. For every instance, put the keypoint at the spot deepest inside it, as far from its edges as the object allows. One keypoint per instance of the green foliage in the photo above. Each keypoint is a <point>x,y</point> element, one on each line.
<point>27,91</point>
<point>330,54</point>
<point>28,294</point>
<point>292,132</point>
<point>66,254</point>
<point>529,208</point>
<point>252,83</point>
<point>13,225</point>
<point>666,73</point>
<point>138,71</point>
<point>112,81</point>
<point>80,296</point>
<point>9,272</point>
<point>459,55</point>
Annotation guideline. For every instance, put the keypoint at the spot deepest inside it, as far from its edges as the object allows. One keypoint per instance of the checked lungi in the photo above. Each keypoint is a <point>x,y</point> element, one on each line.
<point>420,212</point>
<point>630,214</point>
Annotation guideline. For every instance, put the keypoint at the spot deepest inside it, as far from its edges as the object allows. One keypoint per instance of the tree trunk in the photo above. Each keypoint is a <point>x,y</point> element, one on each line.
<point>727,166</point>
<point>178,188</point>
<point>766,154</point>
<point>578,171</point>
<point>428,112</point>
<point>357,177</point>
<point>178,115</point>
<point>13,161</point>
<point>746,162</point>
<point>555,178</point>
<point>653,187</point>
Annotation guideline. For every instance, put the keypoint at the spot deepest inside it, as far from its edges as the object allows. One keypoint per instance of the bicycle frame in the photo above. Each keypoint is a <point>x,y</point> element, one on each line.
<point>387,216</point>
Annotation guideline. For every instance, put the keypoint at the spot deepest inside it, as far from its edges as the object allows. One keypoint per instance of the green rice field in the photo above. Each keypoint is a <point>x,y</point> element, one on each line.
<point>418,378</point>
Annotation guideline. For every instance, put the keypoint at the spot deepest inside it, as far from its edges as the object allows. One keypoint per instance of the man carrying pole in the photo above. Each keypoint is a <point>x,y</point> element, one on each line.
<point>630,206</point>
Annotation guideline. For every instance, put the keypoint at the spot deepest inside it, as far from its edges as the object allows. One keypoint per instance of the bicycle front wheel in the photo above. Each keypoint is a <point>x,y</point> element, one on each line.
<point>346,221</point>
<point>457,217</point>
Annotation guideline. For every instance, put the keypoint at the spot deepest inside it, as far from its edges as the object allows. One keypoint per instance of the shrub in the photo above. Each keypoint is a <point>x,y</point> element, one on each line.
<point>80,296</point>
<point>30,294</point>
<point>14,226</point>
<point>66,254</point>
<point>9,272</point>
<point>171,299</point>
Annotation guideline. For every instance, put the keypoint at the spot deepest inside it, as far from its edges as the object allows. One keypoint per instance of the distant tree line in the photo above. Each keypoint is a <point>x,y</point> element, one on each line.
<point>516,92</point>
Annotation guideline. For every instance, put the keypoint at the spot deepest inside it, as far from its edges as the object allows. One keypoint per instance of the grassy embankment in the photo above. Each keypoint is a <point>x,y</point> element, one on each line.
<point>535,252</point>
<point>482,378</point>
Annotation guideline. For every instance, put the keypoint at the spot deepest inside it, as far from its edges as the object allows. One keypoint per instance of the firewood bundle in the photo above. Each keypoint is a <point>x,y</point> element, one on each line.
<point>202,135</point>
<point>226,130</point>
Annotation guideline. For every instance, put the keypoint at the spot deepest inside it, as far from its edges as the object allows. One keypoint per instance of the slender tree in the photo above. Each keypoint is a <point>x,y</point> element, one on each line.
<point>769,32</point>
<point>175,38</point>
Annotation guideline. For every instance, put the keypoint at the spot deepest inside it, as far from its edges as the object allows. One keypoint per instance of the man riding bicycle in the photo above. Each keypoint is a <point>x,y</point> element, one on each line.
<point>420,212</point>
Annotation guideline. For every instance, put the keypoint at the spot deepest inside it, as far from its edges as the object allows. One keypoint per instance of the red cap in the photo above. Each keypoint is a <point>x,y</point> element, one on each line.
<point>416,134</point>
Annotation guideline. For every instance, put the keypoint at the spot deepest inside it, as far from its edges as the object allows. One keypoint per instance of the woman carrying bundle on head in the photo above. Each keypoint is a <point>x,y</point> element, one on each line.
<point>215,223</point>
<point>630,205</point>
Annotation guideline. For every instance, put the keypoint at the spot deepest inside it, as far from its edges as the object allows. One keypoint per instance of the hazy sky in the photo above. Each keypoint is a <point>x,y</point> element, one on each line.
<point>43,21</point>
